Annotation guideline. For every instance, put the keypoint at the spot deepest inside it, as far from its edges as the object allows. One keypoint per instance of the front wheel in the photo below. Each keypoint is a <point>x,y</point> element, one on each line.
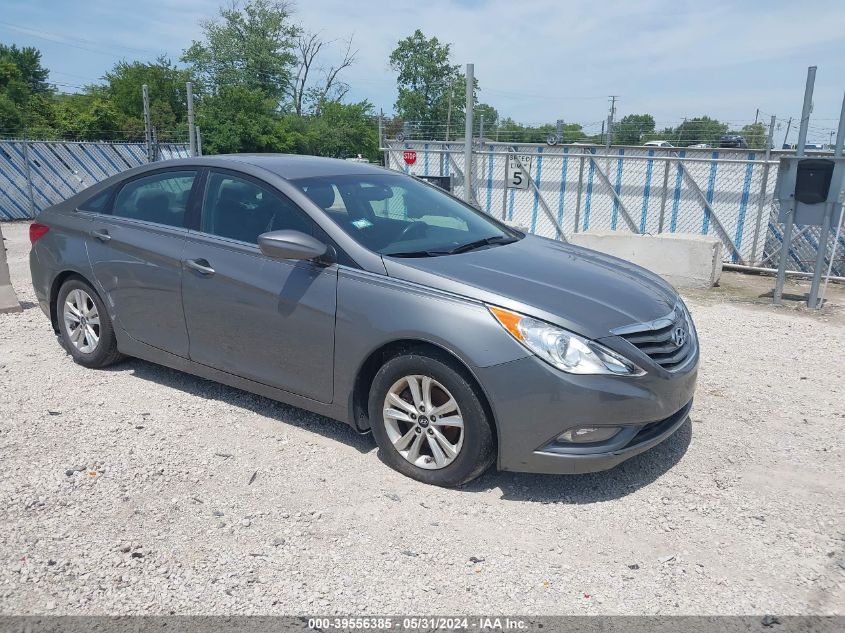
<point>429,421</point>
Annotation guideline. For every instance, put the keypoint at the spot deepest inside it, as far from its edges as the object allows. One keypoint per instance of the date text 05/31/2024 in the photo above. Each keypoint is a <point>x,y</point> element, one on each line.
<point>418,623</point>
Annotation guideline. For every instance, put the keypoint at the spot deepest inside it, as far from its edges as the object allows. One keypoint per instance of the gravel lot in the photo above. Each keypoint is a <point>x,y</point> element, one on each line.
<point>128,491</point>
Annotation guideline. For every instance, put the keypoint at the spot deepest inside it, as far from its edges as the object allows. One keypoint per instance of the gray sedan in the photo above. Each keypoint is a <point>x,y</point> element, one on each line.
<point>373,298</point>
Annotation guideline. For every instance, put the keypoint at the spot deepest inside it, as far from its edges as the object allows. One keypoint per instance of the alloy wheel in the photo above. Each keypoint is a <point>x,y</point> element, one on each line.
<point>82,321</point>
<point>424,422</point>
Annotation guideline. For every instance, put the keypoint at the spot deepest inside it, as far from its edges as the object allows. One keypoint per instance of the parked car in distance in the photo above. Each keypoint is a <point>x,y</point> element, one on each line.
<point>658,144</point>
<point>373,298</point>
<point>733,141</point>
<point>699,146</point>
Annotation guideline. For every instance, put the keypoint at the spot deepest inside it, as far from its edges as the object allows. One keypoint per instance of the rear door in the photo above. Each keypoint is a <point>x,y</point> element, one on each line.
<point>268,320</point>
<point>135,249</point>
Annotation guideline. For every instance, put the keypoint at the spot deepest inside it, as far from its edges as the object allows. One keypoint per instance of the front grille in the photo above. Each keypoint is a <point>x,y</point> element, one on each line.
<point>668,341</point>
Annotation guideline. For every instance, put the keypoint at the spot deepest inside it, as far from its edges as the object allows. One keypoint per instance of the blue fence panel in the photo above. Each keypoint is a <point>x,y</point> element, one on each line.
<point>60,169</point>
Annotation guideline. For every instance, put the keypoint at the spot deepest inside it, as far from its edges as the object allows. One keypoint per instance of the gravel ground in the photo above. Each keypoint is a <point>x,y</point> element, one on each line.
<point>144,490</point>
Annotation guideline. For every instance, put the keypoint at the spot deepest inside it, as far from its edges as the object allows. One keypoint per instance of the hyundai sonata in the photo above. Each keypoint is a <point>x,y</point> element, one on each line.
<point>371,297</point>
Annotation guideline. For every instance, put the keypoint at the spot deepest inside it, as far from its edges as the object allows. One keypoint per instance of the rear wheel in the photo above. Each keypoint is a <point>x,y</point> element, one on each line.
<point>84,325</point>
<point>429,422</point>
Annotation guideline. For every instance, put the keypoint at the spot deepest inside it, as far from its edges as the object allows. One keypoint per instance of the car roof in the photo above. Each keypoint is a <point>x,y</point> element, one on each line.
<point>288,166</point>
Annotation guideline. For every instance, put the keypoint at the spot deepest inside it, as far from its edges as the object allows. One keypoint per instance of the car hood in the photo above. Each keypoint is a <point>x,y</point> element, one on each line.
<point>580,289</point>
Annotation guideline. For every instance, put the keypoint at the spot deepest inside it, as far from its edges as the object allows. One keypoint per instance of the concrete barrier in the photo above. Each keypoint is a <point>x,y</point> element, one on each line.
<point>8,298</point>
<point>685,261</point>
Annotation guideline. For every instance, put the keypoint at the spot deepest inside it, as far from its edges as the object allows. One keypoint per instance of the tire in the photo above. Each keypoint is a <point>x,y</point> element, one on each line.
<point>474,440</point>
<point>73,294</point>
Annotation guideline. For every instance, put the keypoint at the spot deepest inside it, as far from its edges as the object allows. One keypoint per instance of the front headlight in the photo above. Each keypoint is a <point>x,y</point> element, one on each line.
<point>563,349</point>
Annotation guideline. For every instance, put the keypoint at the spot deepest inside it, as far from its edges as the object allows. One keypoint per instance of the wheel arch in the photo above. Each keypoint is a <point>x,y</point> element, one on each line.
<point>359,413</point>
<point>55,286</point>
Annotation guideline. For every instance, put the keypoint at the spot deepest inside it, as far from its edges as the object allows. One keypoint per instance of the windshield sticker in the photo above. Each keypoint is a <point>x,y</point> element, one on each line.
<point>362,223</point>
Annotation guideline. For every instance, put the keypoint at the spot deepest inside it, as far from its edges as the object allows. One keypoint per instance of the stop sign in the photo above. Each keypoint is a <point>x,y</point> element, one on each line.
<point>410,157</point>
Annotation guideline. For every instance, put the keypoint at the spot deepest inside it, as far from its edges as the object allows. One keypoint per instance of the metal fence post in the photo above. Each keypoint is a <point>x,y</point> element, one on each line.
<point>663,196</point>
<point>764,185</point>
<point>580,187</point>
<point>505,184</point>
<point>148,131</point>
<point>777,296</point>
<point>443,150</point>
<point>28,168</point>
<point>468,172</point>
<point>192,135</point>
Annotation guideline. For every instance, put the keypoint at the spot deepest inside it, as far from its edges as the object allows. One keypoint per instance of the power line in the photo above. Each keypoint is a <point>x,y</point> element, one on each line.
<point>63,39</point>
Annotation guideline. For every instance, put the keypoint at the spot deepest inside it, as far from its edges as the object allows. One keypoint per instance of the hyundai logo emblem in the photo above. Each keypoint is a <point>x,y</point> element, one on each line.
<point>679,336</point>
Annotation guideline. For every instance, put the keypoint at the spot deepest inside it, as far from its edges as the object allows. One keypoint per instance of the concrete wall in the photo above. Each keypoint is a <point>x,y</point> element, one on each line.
<point>8,299</point>
<point>685,261</point>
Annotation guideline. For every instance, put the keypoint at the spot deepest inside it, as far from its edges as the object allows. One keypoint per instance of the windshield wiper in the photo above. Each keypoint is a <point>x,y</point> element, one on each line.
<point>463,248</point>
<point>487,241</point>
<point>417,254</point>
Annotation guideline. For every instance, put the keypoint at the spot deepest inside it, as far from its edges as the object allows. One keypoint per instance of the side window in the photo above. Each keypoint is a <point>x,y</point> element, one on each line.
<point>242,210</point>
<point>161,198</point>
<point>98,202</point>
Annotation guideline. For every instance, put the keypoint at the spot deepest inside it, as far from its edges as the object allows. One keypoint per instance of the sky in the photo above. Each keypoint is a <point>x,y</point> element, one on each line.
<point>535,60</point>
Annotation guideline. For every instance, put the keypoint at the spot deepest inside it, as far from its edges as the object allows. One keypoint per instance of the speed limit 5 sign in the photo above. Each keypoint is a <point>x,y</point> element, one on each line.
<point>517,176</point>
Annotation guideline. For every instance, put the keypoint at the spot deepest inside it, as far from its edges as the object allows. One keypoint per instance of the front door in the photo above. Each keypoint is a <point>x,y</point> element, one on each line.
<point>135,252</point>
<point>268,320</point>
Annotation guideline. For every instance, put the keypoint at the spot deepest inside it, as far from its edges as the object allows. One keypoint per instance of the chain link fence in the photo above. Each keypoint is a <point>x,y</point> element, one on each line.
<point>37,174</point>
<point>726,193</point>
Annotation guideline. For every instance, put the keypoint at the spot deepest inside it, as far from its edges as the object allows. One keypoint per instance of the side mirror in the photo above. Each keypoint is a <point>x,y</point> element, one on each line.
<point>294,245</point>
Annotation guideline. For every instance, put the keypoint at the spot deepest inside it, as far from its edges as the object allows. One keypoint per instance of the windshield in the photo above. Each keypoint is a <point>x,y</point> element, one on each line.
<point>400,216</point>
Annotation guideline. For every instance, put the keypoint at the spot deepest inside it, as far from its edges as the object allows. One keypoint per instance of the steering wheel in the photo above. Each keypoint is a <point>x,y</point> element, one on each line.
<point>413,227</point>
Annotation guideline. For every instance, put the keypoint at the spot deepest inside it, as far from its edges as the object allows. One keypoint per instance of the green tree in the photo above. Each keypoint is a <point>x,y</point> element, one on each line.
<point>250,46</point>
<point>632,129</point>
<point>490,114</point>
<point>755,135</point>
<point>166,82</point>
<point>241,119</point>
<point>23,90</point>
<point>11,121</point>
<point>699,130</point>
<point>427,80</point>
<point>86,117</point>
<point>572,132</point>
<point>28,62</point>
<point>343,131</point>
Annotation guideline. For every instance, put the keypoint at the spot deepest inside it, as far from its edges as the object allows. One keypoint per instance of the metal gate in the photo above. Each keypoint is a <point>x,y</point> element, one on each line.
<point>722,192</point>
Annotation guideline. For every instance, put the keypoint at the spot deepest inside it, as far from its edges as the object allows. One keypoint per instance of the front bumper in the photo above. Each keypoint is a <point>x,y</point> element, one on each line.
<point>533,403</point>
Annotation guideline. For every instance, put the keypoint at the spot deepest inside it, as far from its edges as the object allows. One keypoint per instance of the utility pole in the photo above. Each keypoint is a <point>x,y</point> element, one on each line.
<point>481,127</point>
<point>756,116</point>
<point>788,125</point>
<point>468,171</point>
<point>192,135</point>
<point>148,128</point>
<point>610,119</point>
<point>199,141</point>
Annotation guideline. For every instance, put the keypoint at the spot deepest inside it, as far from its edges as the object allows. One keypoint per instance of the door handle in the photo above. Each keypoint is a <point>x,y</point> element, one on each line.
<point>101,234</point>
<point>200,265</point>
